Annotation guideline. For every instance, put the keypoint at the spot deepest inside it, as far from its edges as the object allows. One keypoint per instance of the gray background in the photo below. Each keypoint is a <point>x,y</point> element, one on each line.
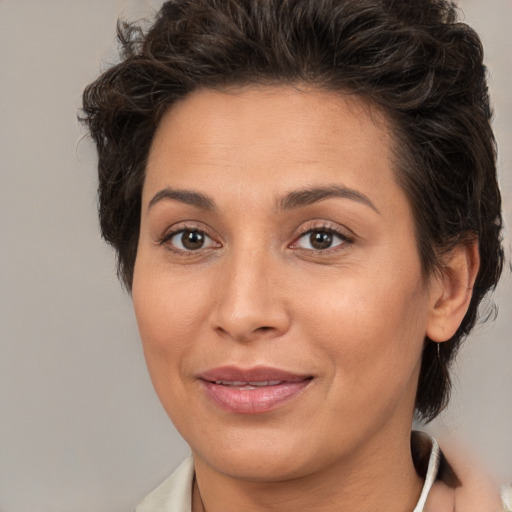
<point>80,427</point>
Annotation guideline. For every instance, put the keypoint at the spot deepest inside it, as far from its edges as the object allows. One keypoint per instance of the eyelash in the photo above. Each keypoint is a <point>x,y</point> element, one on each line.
<point>166,239</point>
<point>344,238</point>
<point>303,232</point>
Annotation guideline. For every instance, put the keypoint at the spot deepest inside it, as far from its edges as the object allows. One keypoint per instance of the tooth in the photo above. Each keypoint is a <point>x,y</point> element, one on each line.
<point>265,383</point>
<point>259,383</point>
<point>248,385</point>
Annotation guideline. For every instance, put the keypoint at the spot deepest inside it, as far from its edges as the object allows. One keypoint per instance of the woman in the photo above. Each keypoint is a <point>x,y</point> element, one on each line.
<point>303,199</point>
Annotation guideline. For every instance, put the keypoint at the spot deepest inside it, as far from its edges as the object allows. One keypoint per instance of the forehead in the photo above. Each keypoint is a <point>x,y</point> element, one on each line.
<point>262,132</point>
<point>295,109</point>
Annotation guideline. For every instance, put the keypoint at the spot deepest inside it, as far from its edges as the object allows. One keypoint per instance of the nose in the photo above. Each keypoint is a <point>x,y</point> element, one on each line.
<point>250,298</point>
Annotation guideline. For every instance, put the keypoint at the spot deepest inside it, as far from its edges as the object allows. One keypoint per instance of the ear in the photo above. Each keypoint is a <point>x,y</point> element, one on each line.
<point>451,291</point>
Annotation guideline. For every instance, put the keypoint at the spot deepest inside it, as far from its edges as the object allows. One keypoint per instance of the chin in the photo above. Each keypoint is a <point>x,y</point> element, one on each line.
<point>263,454</point>
<point>258,465</point>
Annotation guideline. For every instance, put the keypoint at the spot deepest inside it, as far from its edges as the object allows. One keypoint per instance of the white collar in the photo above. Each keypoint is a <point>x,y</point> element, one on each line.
<point>174,494</point>
<point>430,477</point>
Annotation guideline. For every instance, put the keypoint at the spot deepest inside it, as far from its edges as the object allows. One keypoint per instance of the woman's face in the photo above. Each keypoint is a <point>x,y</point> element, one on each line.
<point>277,286</point>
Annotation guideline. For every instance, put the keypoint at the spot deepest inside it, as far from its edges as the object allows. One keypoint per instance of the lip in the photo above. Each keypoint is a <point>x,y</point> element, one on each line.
<point>252,390</point>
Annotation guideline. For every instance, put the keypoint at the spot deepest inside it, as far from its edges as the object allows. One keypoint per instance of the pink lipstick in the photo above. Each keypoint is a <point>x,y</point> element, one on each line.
<point>254,390</point>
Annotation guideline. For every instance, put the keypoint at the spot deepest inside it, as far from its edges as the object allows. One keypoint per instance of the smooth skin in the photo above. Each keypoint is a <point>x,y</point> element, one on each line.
<point>240,263</point>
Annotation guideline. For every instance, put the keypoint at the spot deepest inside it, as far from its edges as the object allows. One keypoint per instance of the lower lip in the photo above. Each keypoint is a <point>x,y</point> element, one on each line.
<point>253,401</point>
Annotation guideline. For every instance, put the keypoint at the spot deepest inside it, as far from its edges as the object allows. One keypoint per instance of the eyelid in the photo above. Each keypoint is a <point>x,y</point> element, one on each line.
<point>180,227</point>
<point>324,226</point>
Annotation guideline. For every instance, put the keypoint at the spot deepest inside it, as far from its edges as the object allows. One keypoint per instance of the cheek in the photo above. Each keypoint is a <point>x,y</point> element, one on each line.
<point>168,317</point>
<point>371,329</point>
<point>168,321</point>
<point>166,309</point>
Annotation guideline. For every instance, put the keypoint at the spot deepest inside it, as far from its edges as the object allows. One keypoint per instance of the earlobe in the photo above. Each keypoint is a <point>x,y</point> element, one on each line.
<point>452,290</point>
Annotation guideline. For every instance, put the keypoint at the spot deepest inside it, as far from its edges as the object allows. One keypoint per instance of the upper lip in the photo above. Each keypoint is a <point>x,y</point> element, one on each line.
<point>255,374</point>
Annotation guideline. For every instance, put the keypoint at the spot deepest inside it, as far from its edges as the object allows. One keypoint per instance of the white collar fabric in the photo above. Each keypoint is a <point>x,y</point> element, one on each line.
<point>430,477</point>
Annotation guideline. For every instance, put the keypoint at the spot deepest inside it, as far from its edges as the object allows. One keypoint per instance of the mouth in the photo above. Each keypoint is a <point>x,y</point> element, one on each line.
<point>252,391</point>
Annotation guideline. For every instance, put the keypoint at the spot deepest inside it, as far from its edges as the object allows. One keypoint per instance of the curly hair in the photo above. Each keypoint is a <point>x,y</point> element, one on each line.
<point>415,60</point>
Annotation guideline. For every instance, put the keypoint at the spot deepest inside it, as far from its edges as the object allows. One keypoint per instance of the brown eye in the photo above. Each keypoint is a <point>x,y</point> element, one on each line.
<point>320,239</point>
<point>187,240</point>
<point>192,240</point>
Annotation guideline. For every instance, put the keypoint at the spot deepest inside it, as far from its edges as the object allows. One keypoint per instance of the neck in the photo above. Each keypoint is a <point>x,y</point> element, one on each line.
<point>379,476</point>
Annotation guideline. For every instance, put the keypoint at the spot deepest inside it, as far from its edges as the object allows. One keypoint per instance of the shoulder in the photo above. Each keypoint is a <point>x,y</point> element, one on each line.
<point>466,498</point>
<point>172,494</point>
<point>506,497</point>
<point>475,490</point>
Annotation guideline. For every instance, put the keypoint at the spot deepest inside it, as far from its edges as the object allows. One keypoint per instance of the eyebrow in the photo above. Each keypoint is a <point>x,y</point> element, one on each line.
<point>308,196</point>
<point>184,196</point>
<point>292,200</point>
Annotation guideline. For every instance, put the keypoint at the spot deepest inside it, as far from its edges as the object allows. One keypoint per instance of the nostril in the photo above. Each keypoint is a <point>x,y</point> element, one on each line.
<point>264,329</point>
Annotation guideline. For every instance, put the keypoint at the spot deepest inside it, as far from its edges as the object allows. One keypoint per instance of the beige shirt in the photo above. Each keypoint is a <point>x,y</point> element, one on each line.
<point>174,494</point>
